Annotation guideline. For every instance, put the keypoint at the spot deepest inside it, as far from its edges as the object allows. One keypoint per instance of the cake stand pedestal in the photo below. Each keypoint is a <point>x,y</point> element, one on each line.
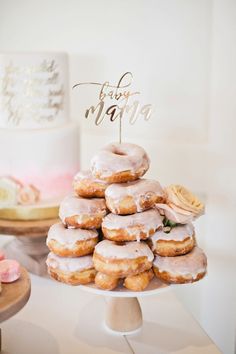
<point>29,246</point>
<point>13,297</point>
<point>123,311</point>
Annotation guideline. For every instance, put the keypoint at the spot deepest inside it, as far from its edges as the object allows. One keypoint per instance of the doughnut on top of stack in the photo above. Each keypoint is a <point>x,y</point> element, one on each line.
<point>120,162</point>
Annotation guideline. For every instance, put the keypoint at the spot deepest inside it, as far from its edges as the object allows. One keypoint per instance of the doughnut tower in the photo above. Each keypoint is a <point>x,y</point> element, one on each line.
<point>114,229</point>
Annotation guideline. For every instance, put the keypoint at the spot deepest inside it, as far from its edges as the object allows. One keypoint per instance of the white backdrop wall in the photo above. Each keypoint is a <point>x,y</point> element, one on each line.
<point>182,54</point>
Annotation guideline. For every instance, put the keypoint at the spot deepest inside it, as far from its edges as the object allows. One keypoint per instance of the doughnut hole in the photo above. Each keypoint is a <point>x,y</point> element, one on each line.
<point>119,152</point>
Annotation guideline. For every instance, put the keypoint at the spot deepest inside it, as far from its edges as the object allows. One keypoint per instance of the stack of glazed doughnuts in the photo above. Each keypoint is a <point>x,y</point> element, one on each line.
<point>177,257</point>
<point>72,241</point>
<point>112,233</point>
<point>123,256</point>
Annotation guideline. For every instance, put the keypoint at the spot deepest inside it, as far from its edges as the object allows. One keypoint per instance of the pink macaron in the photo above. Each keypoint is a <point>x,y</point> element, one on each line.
<point>2,255</point>
<point>9,270</point>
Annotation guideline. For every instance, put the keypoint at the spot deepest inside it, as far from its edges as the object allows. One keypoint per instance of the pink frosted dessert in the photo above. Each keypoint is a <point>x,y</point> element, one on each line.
<point>9,271</point>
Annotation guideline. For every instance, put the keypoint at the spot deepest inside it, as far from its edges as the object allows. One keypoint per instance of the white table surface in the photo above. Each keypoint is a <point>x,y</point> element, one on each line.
<point>61,319</point>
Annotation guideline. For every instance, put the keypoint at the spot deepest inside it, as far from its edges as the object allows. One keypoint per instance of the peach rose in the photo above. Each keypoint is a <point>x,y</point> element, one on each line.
<point>28,194</point>
<point>8,192</point>
<point>181,205</point>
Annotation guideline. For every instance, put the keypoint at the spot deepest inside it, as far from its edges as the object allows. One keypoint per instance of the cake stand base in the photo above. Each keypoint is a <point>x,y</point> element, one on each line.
<point>123,311</point>
<point>123,315</point>
<point>29,246</point>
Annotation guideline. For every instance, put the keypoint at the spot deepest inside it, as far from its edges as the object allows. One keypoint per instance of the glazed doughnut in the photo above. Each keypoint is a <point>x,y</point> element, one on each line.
<point>9,271</point>
<point>82,213</point>
<point>140,281</point>
<point>117,163</point>
<point>180,240</point>
<point>106,282</point>
<point>122,260</point>
<point>85,185</point>
<point>131,227</point>
<point>133,197</point>
<point>73,271</point>
<point>71,242</point>
<point>183,269</point>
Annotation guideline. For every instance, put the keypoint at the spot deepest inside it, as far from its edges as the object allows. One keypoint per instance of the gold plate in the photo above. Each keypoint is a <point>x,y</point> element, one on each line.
<point>40,211</point>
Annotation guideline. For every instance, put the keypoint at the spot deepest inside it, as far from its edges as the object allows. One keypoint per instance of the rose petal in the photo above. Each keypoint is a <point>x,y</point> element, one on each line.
<point>173,215</point>
<point>180,210</point>
<point>183,198</point>
<point>28,195</point>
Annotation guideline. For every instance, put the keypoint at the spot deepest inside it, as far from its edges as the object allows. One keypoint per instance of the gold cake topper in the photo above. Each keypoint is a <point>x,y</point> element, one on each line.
<point>121,95</point>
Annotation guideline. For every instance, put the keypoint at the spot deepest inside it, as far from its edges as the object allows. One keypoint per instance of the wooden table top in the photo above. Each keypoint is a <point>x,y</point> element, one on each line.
<point>14,296</point>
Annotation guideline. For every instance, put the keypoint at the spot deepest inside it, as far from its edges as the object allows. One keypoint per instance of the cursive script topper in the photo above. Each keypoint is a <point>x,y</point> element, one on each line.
<point>116,102</point>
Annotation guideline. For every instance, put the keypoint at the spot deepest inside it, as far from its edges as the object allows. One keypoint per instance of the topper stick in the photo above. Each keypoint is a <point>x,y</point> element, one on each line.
<point>120,130</point>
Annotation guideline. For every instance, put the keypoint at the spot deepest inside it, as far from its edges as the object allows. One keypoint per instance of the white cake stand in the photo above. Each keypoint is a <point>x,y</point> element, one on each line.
<point>123,312</point>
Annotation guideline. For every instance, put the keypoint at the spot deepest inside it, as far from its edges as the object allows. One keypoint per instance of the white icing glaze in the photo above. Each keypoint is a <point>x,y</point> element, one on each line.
<point>128,250</point>
<point>149,219</point>
<point>142,188</point>
<point>67,264</point>
<point>115,158</point>
<point>87,176</point>
<point>192,263</point>
<point>69,237</point>
<point>75,206</point>
<point>178,233</point>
